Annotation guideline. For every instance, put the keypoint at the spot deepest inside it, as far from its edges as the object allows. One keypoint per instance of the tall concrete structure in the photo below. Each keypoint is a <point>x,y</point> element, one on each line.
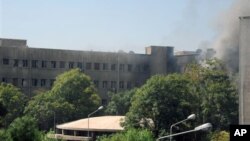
<point>33,69</point>
<point>244,70</point>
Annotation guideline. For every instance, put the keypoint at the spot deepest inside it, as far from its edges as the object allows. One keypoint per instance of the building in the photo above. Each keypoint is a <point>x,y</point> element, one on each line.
<point>34,69</point>
<point>89,129</point>
<point>244,71</point>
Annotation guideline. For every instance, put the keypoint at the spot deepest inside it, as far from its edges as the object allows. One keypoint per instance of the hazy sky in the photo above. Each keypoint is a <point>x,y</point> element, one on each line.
<point>111,25</point>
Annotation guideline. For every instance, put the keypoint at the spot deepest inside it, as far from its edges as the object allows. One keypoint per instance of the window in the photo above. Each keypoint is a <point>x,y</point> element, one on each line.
<point>105,66</point>
<point>24,82</point>
<point>104,102</point>
<point>6,61</point>
<point>129,67</point>
<point>137,84</point>
<point>129,85</point>
<point>34,82</point>
<point>25,63</point>
<point>113,84</point>
<point>62,64</point>
<point>53,64</point>
<point>121,84</point>
<point>15,81</point>
<point>113,67</point>
<point>88,66</point>
<point>71,65</point>
<point>51,82</point>
<point>34,63</point>
<point>104,84</point>
<point>44,64</point>
<point>4,80</point>
<point>43,82</point>
<point>137,68</point>
<point>16,61</point>
<point>97,66</point>
<point>96,82</point>
<point>79,65</point>
<point>145,67</point>
<point>121,67</point>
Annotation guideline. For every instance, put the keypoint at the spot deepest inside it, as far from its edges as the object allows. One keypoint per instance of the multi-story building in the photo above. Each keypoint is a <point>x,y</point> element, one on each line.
<point>244,71</point>
<point>32,69</point>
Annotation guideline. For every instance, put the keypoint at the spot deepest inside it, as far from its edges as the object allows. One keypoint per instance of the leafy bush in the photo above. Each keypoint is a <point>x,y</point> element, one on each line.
<point>129,135</point>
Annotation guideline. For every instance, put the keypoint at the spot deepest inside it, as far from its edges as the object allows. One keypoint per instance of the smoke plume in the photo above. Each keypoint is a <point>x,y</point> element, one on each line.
<point>226,44</point>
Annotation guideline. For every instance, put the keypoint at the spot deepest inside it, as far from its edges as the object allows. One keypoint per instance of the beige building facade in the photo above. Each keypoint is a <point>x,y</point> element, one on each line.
<point>34,69</point>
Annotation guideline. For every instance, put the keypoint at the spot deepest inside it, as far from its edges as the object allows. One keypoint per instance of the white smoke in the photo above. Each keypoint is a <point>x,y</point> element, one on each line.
<point>226,43</point>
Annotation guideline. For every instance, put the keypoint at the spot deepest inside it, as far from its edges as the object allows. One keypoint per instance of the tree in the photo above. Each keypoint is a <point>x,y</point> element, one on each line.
<point>12,103</point>
<point>23,129</point>
<point>120,102</point>
<point>220,136</point>
<point>217,96</point>
<point>72,96</point>
<point>130,135</point>
<point>164,99</point>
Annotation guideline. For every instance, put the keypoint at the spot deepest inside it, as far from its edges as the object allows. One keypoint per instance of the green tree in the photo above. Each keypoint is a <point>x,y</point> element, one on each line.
<point>164,99</point>
<point>220,136</point>
<point>72,96</point>
<point>12,103</point>
<point>120,102</point>
<point>217,95</point>
<point>24,129</point>
<point>130,135</point>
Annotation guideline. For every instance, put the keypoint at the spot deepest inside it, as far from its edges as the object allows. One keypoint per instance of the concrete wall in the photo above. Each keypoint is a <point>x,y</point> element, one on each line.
<point>244,70</point>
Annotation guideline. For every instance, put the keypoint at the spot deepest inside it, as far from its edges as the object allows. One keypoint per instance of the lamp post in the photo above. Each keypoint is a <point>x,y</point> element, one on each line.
<point>190,117</point>
<point>101,107</point>
<point>203,127</point>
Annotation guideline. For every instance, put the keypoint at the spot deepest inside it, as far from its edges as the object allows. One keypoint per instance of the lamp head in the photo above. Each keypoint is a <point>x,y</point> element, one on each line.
<point>203,127</point>
<point>101,107</point>
<point>191,117</point>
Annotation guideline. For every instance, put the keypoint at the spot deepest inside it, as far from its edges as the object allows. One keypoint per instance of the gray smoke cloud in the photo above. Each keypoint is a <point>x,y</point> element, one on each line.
<point>226,44</point>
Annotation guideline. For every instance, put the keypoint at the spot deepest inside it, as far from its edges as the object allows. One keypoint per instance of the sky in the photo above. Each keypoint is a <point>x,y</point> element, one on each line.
<point>111,25</point>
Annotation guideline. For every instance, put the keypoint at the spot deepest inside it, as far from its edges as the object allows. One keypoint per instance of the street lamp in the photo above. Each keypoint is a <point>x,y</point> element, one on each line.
<point>101,107</point>
<point>190,117</point>
<point>203,127</point>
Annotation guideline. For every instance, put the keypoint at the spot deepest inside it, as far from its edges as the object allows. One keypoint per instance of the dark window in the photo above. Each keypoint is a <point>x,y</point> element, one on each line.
<point>53,64</point>
<point>97,66</point>
<point>51,82</point>
<point>113,67</point>
<point>62,64</point>
<point>137,68</point>
<point>104,102</point>
<point>34,82</point>
<point>71,65</point>
<point>15,81</point>
<point>129,85</point>
<point>25,63</point>
<point>43,82</point>
<point>96,82</point>
<point>129,67</point>
<point>34,63</point>
<point>4,79</point>
<point>137,84</point>
<point>24,82</point>
<point>121,84</point>
<point>88,66</point>
<point>113,84</point>
<point>105,66</point>
<point>121,67</point>
<point>6,61</point>
<point>44,64</point>
<point>104,84</point>
<point>16,61</point>
<point>145,68</point>
<point>79,65</point>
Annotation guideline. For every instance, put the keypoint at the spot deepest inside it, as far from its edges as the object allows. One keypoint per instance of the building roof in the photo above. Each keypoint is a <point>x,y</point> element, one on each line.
<point>102,123</point>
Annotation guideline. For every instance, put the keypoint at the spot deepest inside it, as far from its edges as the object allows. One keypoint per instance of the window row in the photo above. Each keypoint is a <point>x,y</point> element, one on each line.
<point>115,84</point>
<point>81,65</point>
<point>22,82</point>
